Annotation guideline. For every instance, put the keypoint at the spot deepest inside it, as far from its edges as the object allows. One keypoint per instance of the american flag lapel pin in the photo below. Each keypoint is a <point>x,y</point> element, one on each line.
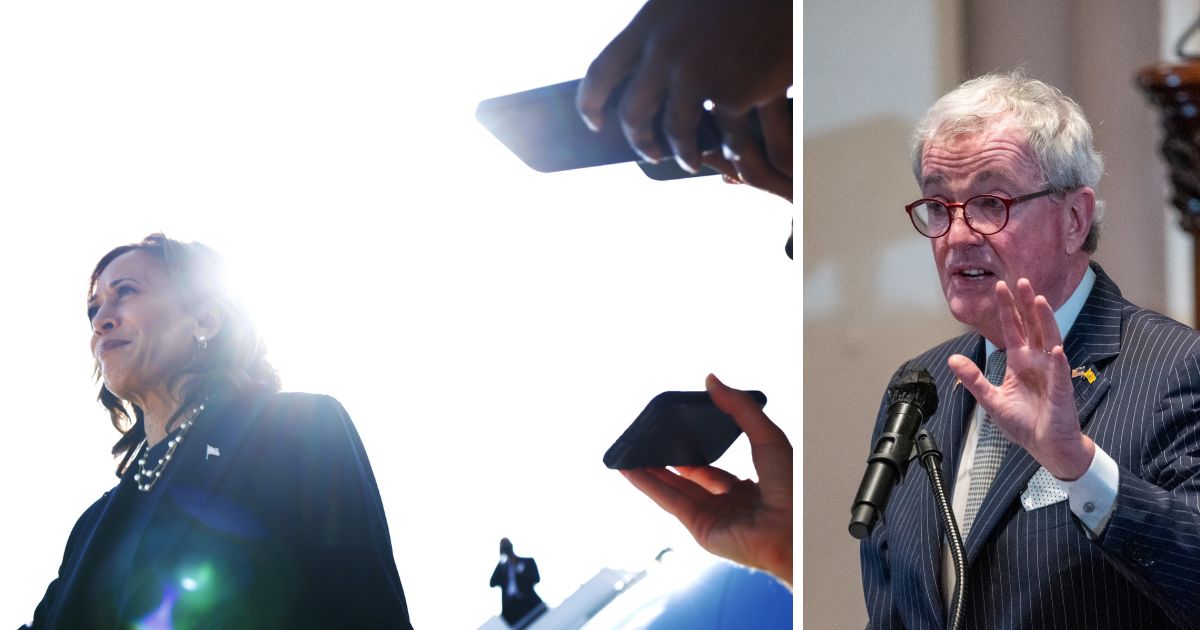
<point>211,451</point>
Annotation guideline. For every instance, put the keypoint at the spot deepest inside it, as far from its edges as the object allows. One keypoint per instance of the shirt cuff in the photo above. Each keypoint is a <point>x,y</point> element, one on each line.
<point>1093,496</point>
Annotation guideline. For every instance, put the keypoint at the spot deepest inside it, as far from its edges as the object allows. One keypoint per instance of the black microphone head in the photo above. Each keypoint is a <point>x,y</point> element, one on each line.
<point>915,386</point>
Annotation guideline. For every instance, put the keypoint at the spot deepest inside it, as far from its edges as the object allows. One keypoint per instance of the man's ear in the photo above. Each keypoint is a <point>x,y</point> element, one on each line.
<point>1079,207</point>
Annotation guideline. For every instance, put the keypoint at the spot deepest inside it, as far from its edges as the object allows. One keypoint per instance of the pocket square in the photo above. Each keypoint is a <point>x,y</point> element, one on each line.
<point>1043,490</point>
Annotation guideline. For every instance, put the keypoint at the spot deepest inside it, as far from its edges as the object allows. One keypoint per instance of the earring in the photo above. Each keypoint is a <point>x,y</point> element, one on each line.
<point>202,342</point>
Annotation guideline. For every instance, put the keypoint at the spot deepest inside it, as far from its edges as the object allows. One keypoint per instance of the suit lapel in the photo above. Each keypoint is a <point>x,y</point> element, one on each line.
<point>961,405</point>
<point>1094,340</point>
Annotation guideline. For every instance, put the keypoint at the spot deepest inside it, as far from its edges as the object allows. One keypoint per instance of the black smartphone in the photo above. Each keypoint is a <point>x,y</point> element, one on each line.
<point>542,127</point>
<point>676,429</point>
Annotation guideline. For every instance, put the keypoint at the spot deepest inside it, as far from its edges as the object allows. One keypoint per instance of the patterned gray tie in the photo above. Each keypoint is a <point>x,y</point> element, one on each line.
<point>989,451</point>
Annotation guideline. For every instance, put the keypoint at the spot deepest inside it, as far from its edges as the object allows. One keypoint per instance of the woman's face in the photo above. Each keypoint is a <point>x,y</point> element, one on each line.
<point>141,334</point>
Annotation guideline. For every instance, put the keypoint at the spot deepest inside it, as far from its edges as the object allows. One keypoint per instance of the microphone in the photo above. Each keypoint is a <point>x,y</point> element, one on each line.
<point>912,399</point>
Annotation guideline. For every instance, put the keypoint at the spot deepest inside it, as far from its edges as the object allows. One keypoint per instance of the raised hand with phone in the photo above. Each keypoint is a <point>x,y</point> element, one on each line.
<point>745,521</point>
<point>675,55</point>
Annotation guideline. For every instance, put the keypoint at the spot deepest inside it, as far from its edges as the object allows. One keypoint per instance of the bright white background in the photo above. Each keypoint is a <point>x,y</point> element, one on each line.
<point>491,329</point>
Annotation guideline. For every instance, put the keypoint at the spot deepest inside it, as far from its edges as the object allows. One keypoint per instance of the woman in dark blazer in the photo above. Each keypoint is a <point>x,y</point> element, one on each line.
<point>237,506</point>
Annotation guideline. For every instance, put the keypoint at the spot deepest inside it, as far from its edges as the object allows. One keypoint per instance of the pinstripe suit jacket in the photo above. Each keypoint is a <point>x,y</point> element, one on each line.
<point>1040,568</point>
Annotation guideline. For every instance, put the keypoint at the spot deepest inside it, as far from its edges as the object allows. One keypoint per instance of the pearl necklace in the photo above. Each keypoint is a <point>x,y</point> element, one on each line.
<point>152,475</point>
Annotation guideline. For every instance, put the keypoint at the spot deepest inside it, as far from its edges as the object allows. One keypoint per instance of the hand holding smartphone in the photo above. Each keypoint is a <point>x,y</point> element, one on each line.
<point>543,128</point>
<point>746,521</point>
<point>676,429</point>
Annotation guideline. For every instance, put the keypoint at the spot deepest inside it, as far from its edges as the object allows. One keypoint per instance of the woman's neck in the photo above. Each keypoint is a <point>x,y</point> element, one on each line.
<point>157,409</point>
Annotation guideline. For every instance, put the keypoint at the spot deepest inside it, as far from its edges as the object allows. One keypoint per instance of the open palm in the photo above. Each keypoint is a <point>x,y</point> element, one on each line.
<point>1034,407</point>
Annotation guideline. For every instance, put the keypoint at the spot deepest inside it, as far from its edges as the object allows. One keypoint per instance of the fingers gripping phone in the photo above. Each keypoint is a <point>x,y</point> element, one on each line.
<point>676,429</point>
<point>542,127</point>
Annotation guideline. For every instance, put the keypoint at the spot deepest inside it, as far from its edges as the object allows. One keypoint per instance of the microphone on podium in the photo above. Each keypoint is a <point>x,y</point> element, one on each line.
<point>912,399</point>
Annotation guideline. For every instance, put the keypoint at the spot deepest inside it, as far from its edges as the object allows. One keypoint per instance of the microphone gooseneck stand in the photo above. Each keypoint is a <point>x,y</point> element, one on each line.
<point>931,460</point>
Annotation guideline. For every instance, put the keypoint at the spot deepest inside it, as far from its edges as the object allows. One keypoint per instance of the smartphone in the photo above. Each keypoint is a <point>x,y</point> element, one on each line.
<point>676,429</point>
<point>542,127</point>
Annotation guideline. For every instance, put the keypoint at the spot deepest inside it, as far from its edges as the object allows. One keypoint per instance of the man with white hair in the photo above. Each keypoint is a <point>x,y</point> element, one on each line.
<point>1074,477</point>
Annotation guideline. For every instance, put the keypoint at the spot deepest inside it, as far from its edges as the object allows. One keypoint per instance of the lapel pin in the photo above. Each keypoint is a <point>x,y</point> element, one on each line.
<point>1085,373</point>
<point>212,450</point>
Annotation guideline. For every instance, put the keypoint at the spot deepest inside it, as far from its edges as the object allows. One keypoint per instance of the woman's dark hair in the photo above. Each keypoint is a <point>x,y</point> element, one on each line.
<point>234,362</point>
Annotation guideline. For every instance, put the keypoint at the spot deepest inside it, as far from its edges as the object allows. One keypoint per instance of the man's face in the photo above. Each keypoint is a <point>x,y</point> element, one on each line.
<point>996,161</point>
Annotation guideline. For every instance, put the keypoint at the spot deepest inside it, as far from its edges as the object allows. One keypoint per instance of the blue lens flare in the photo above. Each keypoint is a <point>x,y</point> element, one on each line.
<point>160,617</point>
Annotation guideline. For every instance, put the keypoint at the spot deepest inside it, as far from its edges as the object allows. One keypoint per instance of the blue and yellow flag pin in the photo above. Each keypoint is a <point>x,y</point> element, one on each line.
<point>1085,373</point>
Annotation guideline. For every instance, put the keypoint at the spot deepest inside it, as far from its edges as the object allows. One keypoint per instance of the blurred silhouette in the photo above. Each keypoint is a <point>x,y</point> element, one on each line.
<point>516,576</point>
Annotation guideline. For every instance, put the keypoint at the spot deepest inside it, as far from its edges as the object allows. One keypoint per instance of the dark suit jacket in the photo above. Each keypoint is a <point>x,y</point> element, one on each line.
<point>284,528</point>
<point>515,606</point>
<point>1040,568</point>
